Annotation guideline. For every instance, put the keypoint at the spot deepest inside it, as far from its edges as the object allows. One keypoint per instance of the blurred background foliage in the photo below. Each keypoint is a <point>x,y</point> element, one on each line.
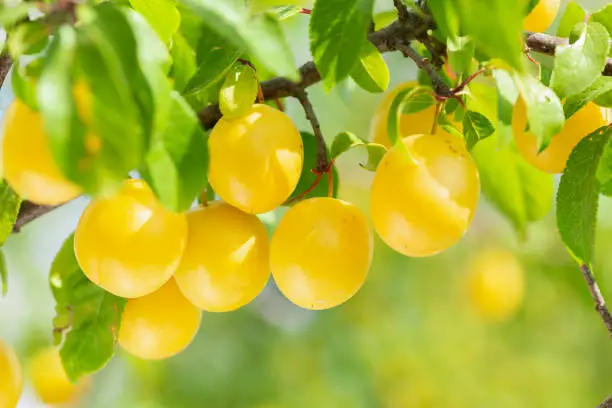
<point>412,337</point>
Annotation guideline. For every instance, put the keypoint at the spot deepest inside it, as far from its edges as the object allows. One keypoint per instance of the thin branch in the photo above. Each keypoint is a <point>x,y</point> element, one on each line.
<point>402,10</point>
<point>29,212</point>
<point>5,66</point>
<point>441,88</point>
<point>607,403</point>
<point>600,303</point>
<point>323,165</point>
<point>546,44</point>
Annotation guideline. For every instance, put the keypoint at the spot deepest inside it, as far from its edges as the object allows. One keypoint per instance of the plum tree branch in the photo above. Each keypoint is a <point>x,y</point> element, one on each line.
<point>323,165</point>
<point>600,303</point>
<point>607,403</point>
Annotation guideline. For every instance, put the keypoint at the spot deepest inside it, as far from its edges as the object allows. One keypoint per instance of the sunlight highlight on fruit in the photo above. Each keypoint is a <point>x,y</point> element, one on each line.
<point>49,379</point>
<point>554,157</point>
<point>129,244</point>
<point>423,207</point>
<point>225,265</point>
<point>29,167</point>
<point>321,252</point>
<point>496,284</point>
<point>159,325</point>
<point>255,160</point>
<point>11,376</point>
<point>542,16</point>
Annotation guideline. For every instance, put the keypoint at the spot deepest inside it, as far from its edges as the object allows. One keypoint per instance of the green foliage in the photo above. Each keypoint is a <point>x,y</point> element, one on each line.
<point>579,64</point>
<point>239,91</point>
<point>574,14</point>
<point>163,16</point>
<point>446,14</point>
<point>413,99</point>
<point>460,54</point>
<point>371,71</point>
<point>604,17</point>
<point>260,36</point>
<point>28,38</point>
<point>87,316</point>
<point>604,171</point>
<point>9,209</point>
<point>345,141</point>
<point>520,192</point>
<point>544,111</point>
<point>338,32</point>
<point>506,98</point>
<point>577,197</point>
<point>308,177</point>
<point>9,16</point>
<point>184,63</point>
<point>3,276</point>
<point>597,90</point>
<point>476,127</point>
<point>176,164</point>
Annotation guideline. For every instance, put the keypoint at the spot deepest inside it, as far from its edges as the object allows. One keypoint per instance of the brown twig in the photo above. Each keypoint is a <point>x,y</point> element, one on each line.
<point>29,212</point>
<point>600,303</point>
<point>607,403</point>
<point>402,10</point>
<point>323,165</point>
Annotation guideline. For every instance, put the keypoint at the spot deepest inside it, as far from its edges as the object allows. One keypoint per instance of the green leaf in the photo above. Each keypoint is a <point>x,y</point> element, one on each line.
<point>476,127</point>
<point>418,102</point>
<point>544,111</point>
<point>91,315</point>
<point>3,276</point>
<point>574,14</point>
<point>163,16</point>
<point>9,210</point>
<point>261,36</point>
<point>446,16</point>
<point>28,38</point>
<point>64,129</point>
<point>409,97</point>
<point>12,15</point>
<point>506,98</point>
<point>338,32</point>
<point>384,18</point>
<point>371,71</point>
<point>177,162</point>
<point>577,196</point>
<point>184,64</point>
<point>604,17</point>
<point>308,177</point>
<point>597,92</point>
<point>460,54</point>
<point>578,65</point>
<point>286,12</point>
<point>214,57</point>
<point>496,27</point>
<point>518,190</point>
<point>604,171</point>
<point>23,85</point>
<point>239,91</point>
<point>345,141</point>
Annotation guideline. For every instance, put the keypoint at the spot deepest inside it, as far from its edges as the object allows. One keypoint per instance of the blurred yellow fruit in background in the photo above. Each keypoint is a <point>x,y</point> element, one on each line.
<point>129,244</point>
<point>422,207</point>
<point>321,252</point>
<point>554,157</point>
<point>256,160</point>
<point>159,325</point>
<point>542,16</point>
<point>49,379</point>
<point>225,264</point>
<point>28,164</point>
<point>496,283</point>
<point>11,376</point>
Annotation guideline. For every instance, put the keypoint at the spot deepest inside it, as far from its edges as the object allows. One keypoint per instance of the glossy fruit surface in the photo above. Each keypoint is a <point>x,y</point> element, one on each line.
<point>554,157</point>
<point>496,284</point>
<point>255,160</point>
<point>29,167</point>
<point>129,244</point>
<point>225,264</point>
<point>321,252</point>
<point>159,325</point>
<point>542,16</point>
<point>423,207</point>
<point>49,379</point>
<point>11,376</point>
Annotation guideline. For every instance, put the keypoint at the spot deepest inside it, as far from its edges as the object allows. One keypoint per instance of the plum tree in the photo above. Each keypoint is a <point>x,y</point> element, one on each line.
<point>170,117</point>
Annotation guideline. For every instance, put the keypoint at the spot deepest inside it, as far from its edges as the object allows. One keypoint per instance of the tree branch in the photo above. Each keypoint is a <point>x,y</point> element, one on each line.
<point>546,44</point>
<point>402,10</point>
<point>29,212</point>
<point>323,165</point>
<point>600,303</point>
<point>607,403</point>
